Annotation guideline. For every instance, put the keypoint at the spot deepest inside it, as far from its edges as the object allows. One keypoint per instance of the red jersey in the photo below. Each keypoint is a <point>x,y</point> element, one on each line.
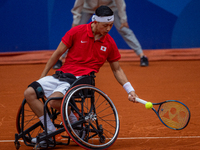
<point>85,54</point>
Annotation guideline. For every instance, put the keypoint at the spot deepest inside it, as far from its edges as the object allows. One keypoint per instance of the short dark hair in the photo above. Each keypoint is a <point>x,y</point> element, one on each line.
<point>103,11</point>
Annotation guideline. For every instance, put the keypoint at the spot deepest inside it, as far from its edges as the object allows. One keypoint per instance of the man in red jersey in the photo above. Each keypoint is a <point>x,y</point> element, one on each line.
<point>89,46</point>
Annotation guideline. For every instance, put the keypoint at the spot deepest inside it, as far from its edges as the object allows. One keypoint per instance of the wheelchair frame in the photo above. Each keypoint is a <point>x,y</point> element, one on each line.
<point>81,93</point>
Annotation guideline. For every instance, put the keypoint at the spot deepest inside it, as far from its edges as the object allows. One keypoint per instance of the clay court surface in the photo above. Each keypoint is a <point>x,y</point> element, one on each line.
<point>140,129</point>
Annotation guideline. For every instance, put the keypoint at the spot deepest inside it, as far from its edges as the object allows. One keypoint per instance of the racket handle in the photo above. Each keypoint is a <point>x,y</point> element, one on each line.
<point>140,100</point>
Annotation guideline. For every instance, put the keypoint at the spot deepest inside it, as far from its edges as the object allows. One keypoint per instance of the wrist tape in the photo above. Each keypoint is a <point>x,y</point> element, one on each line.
<point>128,87</point>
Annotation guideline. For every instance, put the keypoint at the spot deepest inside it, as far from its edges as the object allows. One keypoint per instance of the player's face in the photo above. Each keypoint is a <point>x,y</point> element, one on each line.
<point>104,27</point>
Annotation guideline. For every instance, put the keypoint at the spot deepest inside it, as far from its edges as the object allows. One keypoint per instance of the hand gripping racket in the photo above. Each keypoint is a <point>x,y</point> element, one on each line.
<point>173,114</point>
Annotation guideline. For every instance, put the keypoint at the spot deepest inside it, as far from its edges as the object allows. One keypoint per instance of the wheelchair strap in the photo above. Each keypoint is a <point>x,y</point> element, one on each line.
<point>68,77</point>
<point>38,89</point>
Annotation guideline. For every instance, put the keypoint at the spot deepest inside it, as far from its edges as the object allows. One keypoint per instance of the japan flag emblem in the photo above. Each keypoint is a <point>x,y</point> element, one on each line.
<point>103,48</point>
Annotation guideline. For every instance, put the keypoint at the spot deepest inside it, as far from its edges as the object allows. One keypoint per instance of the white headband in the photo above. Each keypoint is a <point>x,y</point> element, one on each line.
<point>103,18</point>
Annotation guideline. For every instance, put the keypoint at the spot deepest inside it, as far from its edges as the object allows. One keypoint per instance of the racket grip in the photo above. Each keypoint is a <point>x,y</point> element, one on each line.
<point>140,100</point>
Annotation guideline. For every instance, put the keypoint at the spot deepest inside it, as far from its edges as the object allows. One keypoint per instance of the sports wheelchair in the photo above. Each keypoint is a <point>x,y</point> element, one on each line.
<point>96,128</point>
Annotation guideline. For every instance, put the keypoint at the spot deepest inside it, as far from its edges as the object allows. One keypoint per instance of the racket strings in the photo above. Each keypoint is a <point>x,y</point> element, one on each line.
<point>174,115</point>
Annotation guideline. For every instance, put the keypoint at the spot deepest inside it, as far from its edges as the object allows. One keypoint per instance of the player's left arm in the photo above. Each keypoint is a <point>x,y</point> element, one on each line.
<point>122,79</point>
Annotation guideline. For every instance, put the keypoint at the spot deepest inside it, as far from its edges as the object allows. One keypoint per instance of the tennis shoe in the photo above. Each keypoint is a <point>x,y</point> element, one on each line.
<point>34,140</point>
<point>58,65</point>
<point>144,61</point>
<point>78,132</point>
<point>57,138</point>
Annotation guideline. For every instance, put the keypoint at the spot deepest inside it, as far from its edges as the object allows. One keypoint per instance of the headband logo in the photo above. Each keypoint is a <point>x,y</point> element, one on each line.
<point>109,19</point>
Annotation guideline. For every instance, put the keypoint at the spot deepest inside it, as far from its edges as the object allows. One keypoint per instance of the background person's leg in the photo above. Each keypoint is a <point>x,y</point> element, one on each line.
<point>131,40</point>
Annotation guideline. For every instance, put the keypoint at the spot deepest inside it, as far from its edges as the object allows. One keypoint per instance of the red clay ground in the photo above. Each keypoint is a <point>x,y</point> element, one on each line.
<point>140,128</point>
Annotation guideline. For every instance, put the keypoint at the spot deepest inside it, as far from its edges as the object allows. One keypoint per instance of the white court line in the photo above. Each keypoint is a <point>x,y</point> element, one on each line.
<point>169,137</point>
<point>132,138</point>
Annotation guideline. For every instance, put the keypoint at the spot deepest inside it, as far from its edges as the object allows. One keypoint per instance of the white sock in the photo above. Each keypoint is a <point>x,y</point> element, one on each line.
<point>72,117</point>
<point>50,125</point>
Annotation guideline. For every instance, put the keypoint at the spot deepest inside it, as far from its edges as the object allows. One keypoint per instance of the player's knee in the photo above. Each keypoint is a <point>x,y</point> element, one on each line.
<point>52,103</point>
<point>55,104</point>
<point>37,89</point>
<point>29,92</point>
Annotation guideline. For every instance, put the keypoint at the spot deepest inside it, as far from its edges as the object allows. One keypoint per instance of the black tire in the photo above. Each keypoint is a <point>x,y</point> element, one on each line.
<point>98,123</point>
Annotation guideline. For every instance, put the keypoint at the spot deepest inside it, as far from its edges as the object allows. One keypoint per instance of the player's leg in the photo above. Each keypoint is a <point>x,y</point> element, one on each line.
<point>32,94</point>
<point>44,87</point>
<point>52,87</point>
<point>59,90</point>
<point>56,104</point>
<point>34,103</point>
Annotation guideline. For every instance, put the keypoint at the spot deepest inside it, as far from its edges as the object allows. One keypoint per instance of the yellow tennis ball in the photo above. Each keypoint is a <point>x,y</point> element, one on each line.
<point>148,105</point>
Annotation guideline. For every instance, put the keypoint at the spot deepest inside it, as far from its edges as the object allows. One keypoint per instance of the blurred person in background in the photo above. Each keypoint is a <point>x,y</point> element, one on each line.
<point>83,11</point>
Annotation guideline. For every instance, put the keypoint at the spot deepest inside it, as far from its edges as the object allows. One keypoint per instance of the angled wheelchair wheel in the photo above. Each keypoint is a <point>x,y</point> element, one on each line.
<point>27,122</point>
<point>97,126</point>
<point>29,126</point>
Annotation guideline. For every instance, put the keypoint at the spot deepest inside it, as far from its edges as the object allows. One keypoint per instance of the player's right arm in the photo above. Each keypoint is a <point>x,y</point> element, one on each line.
<point>122,79</point>
<point>54,58</point>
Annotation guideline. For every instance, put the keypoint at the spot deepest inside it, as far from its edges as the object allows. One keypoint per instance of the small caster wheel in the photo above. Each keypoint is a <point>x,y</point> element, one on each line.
<point>102,139</point>
<point>37,146</point>
<point>17,145</point>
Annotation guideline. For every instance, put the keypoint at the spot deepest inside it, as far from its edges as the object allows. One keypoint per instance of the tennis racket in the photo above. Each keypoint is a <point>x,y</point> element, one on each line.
<point>173,114</point>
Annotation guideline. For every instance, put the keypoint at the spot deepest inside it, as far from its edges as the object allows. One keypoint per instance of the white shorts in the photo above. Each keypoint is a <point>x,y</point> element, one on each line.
<point>51,85</point>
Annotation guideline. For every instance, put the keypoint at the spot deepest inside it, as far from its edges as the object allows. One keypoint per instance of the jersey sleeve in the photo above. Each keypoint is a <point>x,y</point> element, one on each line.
<point>114,54</point>
<point>67,39</point>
